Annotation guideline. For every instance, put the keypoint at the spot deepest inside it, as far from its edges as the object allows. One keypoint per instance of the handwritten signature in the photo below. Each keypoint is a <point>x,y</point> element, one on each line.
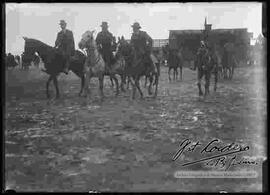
<point>219,160</point>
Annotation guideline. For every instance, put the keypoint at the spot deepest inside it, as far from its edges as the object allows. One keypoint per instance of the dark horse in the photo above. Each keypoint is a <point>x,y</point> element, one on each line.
<point>174,62</point>
<point>11,61</point>
<point>136,68</point>
<point>207,64</point>
<point>228,64</point>
<point>119,64</point>
<point>53,61</point>
<point>36,61</point>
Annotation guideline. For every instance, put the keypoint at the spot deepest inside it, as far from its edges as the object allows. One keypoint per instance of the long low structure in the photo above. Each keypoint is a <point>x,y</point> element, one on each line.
<point>188,41</point>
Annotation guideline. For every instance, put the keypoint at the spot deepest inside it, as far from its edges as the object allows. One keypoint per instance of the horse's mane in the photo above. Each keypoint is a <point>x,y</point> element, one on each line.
<point>40,43</point>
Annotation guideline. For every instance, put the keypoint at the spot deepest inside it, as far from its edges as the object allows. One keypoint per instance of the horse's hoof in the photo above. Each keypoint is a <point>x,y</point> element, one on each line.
<point>57,97</point>
<point>200,94</point>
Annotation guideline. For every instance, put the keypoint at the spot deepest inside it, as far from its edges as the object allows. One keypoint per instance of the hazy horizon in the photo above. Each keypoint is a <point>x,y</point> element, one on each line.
<point>41,20</point>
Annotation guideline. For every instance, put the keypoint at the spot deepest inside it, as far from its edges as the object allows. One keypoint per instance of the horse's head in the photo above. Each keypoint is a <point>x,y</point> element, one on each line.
<point>87,40</point>
<point>29,51</point>
<point>125,49</point>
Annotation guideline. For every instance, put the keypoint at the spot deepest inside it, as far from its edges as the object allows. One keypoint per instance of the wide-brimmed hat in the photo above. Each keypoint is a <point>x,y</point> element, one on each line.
<point>105,24</point>
<point>62,22</point>
<point>136,25</point>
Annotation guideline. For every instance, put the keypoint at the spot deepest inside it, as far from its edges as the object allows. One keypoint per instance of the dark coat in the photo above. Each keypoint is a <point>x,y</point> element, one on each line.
<point>65,42</point>
<point>142,42</point>
<point>104,42</point>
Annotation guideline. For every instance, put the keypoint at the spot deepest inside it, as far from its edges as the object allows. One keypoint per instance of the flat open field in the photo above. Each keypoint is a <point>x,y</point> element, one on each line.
<point>72,144</point>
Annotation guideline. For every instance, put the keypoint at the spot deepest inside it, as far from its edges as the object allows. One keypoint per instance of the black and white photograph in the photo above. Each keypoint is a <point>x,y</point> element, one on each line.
<point>134,97</point>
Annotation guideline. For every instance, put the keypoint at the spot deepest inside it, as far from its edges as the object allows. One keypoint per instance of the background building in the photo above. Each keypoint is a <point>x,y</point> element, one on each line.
<point>188,41</point>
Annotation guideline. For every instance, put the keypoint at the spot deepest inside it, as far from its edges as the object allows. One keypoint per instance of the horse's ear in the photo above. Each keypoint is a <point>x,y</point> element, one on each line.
<point>25,38</point>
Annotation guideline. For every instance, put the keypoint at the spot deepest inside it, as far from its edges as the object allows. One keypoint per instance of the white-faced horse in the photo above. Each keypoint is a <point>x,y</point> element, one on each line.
<point>96,67</point>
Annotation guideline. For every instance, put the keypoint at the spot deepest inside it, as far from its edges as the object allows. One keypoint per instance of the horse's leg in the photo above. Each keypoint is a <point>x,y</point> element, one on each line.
<point>216,79</point>
<point>133,88</point>
<point>112,85</point>
<point>207,78</point>
<point>150,85</point>
<point>47,86</point>
<point>122,83</point>
<point>181,72</point>
<point>169,73</point>
<point>156,83</point>
<point>200,75</point>
<point>86,83</point>
<point>176,73</point>
<point>145,81</point>
<point>128,82</point>
<point>116,82</point>
<point>82,84</point>
<point>226,73</point>
<point>233,70</point>
<point>137,84</point>
<point>55,82</point>
<point>101,79</point>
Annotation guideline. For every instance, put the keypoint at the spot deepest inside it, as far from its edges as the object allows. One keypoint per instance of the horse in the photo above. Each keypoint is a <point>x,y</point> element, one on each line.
<point>26,61</point>
<point>174,62</point>
<point>53,61</point>
<point>136,68</point>
<point>36,61</point>
<point>228,64</point>
<point>206,65</point>
<point>96,67</point>
<point>10,61</point>
<point>18,59</point>
<point>119,64</point>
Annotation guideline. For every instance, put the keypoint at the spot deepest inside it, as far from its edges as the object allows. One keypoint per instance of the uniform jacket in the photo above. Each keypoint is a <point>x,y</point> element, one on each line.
<point>104,42</point>
<point>65,42</point>
<point>139,41</point>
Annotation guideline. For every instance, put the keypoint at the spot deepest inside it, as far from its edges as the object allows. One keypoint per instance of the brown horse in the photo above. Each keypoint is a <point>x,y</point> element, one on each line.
<point>119,65</point>
<point>207,64</point>
<point>136,68</point>
<point>228,65</point>
<point>175,61</point>
<point>96,67</point>
<point>53,61</point>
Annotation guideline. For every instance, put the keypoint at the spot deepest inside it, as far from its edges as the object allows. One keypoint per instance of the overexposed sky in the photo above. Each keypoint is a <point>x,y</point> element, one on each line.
<point>41,20</point>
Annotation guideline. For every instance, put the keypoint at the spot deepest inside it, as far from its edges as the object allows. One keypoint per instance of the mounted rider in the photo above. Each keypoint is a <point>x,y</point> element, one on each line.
<point>142,44</point>
<point>202,51</point>
<point>105,43</point>
<point>65,43</point>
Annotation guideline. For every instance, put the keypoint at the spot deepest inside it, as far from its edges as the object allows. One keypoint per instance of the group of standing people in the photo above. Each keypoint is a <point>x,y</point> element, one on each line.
<point>106,43</point>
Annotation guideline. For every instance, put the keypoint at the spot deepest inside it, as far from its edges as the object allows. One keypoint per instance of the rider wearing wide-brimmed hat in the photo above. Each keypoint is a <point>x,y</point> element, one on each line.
<point>105,42</point>
<point>65,43</point>
<point>142,43</point>
<point>203,50</point>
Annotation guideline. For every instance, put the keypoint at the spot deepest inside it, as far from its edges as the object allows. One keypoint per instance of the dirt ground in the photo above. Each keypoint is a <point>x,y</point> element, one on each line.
<point>72,144</point>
